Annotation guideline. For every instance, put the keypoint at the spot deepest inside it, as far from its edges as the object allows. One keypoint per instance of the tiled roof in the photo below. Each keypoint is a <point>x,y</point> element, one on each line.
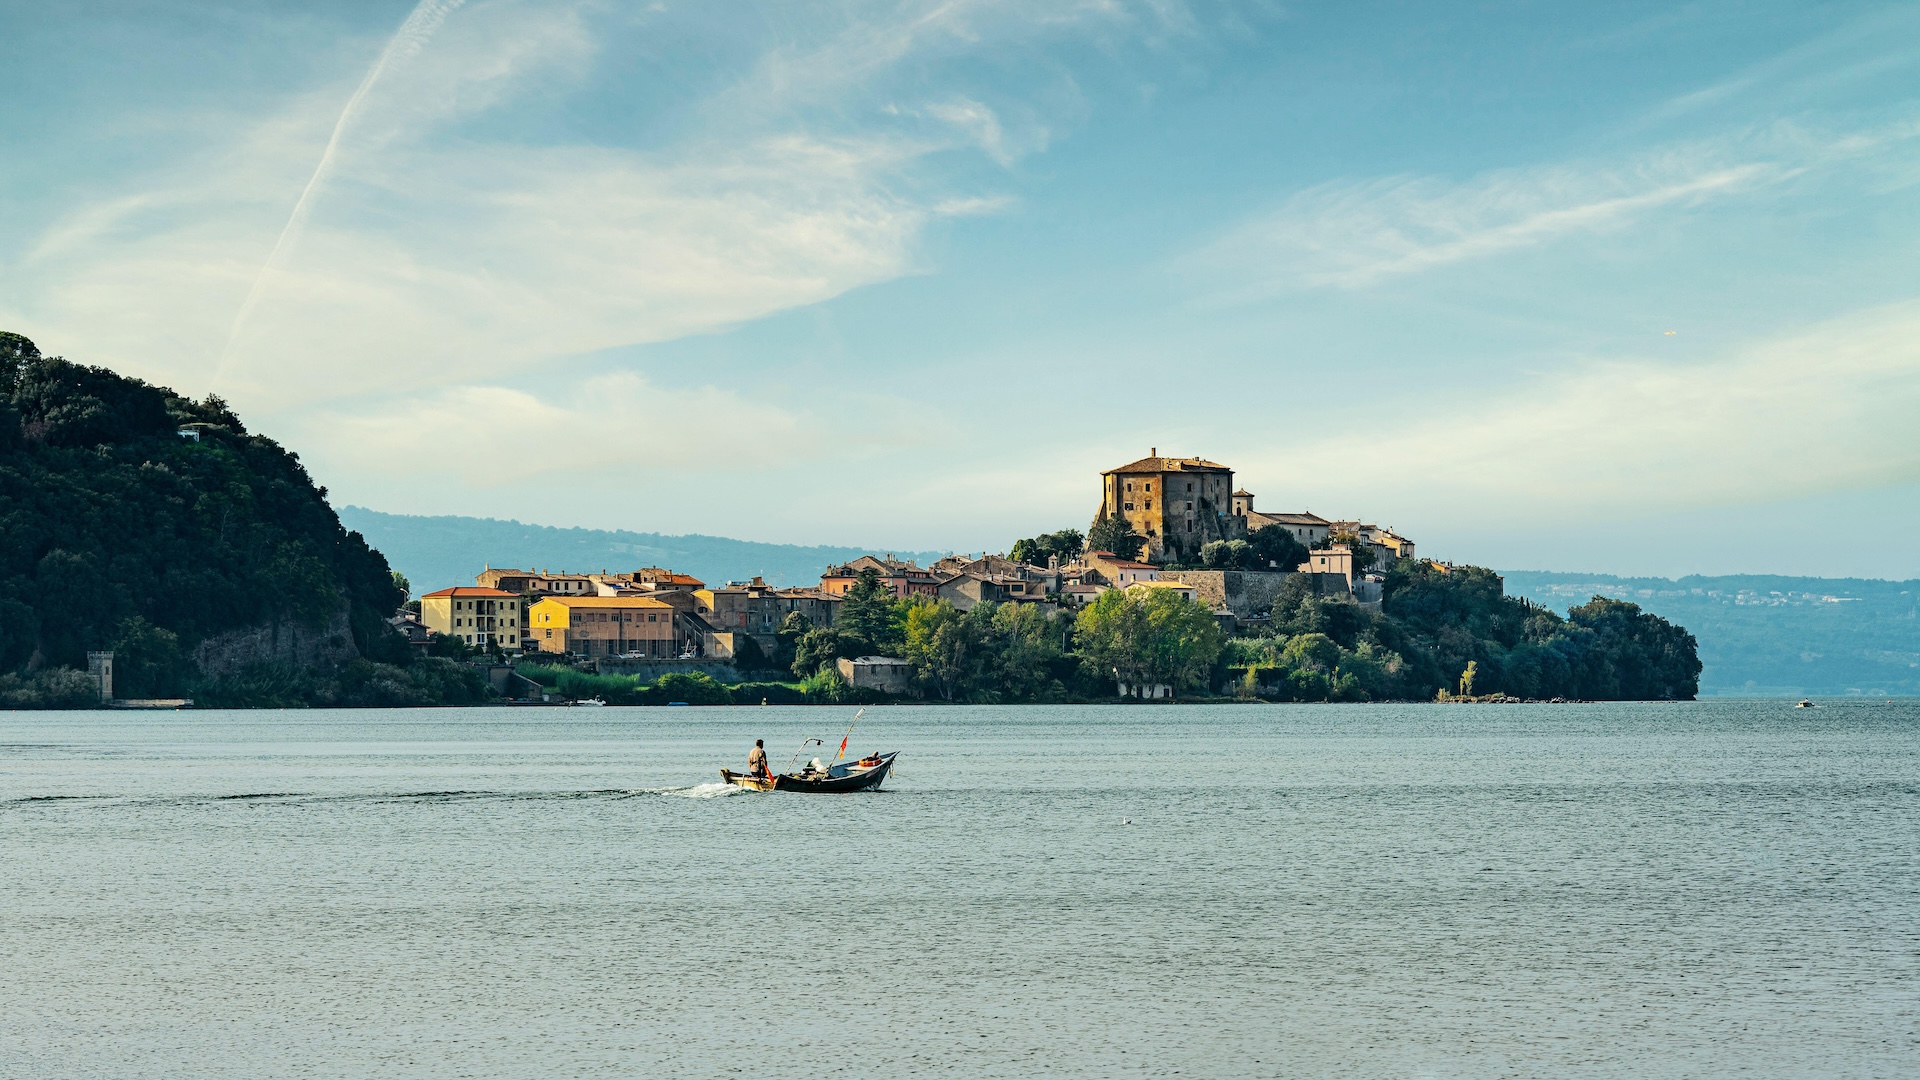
<point>1169,464</point>
<point>466,591</point>
<point>607,601</point>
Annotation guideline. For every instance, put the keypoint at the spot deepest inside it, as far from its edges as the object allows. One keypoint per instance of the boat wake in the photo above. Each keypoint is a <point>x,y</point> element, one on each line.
<point>712,790</point>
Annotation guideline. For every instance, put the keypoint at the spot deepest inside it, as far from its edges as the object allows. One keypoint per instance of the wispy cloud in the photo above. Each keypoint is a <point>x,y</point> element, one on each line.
<point>1355,234</point>
<point>426,257</point>
<point>1826,408</point>
<point>413,35</point>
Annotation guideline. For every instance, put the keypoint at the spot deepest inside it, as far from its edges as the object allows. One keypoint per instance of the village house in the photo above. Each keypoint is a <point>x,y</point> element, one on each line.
<point>967,591</point>
<point>1337,559</point>
<point>660,579</point>
<point>744,607</point>
<point>902,576</point>
<point>1384,544</point>
<point>482,617</point>
<point>1118,572</point>
<point>535,582</point>
<point>604,626</point>
<point>887,674</point>
<point>1310,529</point>
<point>1080,594</point>
<point>968,582</point>
<point>1178,588</point>
<point>817,606</point>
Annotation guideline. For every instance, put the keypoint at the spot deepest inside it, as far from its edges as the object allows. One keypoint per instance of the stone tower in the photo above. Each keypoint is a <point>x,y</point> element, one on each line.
<point>1178,504</point>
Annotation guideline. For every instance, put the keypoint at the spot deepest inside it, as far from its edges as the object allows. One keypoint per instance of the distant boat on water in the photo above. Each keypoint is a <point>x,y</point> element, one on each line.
<point>1805,703</point>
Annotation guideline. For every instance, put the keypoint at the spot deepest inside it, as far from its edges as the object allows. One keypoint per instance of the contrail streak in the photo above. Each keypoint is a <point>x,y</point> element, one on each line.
<point>409,39</point>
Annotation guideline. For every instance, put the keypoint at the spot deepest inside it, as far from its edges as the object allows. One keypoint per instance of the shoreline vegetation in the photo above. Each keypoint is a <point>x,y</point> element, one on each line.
<point>207,561</point>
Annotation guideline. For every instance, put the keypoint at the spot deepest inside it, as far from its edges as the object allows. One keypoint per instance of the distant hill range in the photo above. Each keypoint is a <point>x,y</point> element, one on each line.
<point>1758,635</point>
<point>1767,636</point>
<point>435,552</point>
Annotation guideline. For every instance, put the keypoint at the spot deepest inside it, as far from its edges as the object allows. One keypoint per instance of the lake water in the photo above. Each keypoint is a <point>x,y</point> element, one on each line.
<point>1704,889</point>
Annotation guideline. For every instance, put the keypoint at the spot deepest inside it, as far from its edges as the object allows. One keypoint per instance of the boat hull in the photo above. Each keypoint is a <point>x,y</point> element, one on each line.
<point>864,780</point>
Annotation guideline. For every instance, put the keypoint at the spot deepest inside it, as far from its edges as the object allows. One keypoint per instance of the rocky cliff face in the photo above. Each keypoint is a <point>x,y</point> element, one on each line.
<point>282,643</point>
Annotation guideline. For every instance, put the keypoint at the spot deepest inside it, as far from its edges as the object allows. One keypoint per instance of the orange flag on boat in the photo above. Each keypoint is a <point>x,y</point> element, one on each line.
<point>843,746</point>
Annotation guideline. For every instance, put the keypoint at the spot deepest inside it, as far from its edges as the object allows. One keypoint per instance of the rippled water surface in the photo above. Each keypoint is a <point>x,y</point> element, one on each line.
<point>1684,890</point>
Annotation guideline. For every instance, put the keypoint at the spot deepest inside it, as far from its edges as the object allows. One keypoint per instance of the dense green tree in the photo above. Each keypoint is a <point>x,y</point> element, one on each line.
<point>1226,555</point>
<point>1276,548</point>
<point>147,661</point>
<point>1116,535</point>
<point>948,647</point>
<point>1453,617</point>
<point>1149,637</point>
<point>1066,545</point>
<point>818,648</point>
<point>870,612</point>
<point>791,630</point>
<point>1644,655</point>
<point>1028,649</point>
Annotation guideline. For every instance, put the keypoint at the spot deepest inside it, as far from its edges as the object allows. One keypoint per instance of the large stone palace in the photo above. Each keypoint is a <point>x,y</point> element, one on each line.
<point>1181,504</point>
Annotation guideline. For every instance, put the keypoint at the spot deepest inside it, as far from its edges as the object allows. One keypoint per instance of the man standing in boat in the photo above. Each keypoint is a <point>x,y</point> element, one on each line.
<point>757,760</point>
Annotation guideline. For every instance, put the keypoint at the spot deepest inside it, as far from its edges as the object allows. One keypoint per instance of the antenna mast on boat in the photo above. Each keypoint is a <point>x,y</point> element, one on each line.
<point>802,750</point>
<point>849,734</point>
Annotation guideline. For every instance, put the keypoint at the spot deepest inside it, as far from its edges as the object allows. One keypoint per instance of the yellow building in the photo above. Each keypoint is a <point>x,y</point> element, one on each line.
<point>483,618</point>
<point>601,626</point>
<point>1177,588</point>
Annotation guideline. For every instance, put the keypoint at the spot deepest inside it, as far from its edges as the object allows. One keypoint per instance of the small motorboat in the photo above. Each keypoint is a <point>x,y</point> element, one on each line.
<point>593,702</point>
<point>1806,703</point>
<point>863,775</point>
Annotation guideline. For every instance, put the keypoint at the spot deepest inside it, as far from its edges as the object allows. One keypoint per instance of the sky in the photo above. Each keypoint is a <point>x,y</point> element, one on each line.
<point>1626,288</point>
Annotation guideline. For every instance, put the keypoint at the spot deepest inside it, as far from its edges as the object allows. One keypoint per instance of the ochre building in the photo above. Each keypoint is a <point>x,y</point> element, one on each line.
<point>601,626</point>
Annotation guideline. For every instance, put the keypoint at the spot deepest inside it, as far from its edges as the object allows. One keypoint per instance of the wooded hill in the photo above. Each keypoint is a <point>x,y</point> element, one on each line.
<point>208,562</point>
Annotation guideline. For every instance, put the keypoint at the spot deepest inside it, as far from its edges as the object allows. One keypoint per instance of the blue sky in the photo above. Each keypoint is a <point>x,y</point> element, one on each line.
<point>1622,287</point>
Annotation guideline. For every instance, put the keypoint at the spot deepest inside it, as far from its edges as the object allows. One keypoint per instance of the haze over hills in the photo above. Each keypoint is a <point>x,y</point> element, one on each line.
<point>435,552</point>
<point>1758,635</point>
<point>1764,635</point>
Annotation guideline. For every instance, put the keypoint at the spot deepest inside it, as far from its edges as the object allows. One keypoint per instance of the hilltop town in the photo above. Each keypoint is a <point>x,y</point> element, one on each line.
<point>1173,526</point>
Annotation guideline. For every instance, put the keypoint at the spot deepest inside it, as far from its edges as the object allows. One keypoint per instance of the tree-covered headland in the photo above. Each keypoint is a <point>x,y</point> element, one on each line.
<point>136,520</point>
<point>1440,631</point>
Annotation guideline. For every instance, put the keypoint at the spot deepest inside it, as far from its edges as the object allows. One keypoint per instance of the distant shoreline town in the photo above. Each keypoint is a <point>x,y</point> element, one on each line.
<point>1183,523</point>
<point>1174,543</point>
